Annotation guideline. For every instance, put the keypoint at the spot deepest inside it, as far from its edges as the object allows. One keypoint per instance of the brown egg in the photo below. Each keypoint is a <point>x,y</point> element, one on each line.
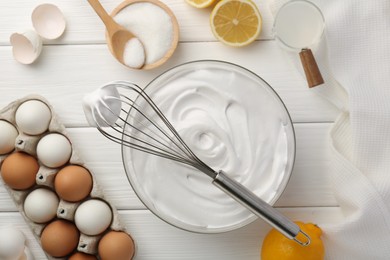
<point>116,245</point>
<point>82,256</point>
<point>19,171</point>
<point>60,238</point>
<point>73,183</point>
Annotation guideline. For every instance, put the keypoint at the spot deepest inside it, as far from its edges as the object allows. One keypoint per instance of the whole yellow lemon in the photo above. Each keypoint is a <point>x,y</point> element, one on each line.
<point>278,247</point>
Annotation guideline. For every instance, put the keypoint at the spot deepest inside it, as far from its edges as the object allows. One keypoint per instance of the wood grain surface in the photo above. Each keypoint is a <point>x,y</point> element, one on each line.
<point>79,62</point>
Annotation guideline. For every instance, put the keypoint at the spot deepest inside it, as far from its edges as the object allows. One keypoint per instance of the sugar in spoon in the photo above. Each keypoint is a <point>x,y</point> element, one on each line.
<point>120,39</point>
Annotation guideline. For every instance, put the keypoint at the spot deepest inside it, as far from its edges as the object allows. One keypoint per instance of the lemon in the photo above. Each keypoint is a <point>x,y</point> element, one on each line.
<point>278,247</point>
<point>236,22</point>
<point>201,3</point>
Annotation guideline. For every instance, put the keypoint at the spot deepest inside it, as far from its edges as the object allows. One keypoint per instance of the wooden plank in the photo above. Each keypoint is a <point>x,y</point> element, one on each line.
<point>84,26</point>
<point>64,74</point>
<point>310,181</point>
<point>157,240</point>
<point>169,243</point>
<point>308,186</point>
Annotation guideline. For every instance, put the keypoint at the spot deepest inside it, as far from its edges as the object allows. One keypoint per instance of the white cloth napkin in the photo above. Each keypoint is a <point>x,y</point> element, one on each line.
<point>355,61</point>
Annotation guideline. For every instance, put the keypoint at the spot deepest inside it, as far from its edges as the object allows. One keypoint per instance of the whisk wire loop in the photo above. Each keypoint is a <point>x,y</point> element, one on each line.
<point>160,130</point>
<point>166,122</point>
<point>159,152</point>
<point>176,139</point>
<point>138,130</point>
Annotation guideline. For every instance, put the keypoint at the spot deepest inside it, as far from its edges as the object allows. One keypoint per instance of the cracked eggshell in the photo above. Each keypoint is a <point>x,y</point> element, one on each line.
<point>48,21</point>
<point>26,46</point>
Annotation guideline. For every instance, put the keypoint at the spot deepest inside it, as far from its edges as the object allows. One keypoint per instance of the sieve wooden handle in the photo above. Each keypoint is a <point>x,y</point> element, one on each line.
<point>313,74</point>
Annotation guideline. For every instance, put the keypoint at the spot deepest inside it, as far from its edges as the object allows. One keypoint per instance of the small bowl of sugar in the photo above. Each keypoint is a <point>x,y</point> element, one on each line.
<point>154,24</point>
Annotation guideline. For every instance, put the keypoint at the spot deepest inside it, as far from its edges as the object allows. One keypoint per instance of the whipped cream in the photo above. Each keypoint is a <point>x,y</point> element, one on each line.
<point>102,107</point>
<point>231,123</point>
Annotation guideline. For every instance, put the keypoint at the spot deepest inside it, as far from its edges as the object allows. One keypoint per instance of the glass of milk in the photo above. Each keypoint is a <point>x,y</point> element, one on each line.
<point>299,25</point>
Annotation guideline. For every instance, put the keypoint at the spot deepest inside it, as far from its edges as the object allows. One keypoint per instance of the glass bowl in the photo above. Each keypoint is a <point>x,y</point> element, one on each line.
<point>233,121</point>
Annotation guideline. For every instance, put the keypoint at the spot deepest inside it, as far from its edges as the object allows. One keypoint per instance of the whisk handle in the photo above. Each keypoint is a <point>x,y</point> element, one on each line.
<point>259,207</point>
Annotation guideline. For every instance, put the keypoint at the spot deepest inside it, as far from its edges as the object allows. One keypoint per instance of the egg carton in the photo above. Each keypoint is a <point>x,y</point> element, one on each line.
<point>45,178</point>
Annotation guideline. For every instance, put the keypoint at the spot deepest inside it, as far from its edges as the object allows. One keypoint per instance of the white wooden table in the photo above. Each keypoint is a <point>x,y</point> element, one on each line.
<point>80,61</point>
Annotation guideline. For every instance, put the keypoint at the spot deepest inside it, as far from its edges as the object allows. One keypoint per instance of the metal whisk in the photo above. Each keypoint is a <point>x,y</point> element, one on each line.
<point>136,121</point>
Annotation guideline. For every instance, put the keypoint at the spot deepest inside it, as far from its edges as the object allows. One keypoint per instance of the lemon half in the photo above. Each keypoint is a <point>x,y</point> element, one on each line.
<point>236,22</point>
<point>201,3</point>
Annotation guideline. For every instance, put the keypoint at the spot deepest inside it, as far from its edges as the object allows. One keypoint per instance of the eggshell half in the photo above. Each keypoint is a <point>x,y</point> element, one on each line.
<point>26,47</point>
<point>48,21</point>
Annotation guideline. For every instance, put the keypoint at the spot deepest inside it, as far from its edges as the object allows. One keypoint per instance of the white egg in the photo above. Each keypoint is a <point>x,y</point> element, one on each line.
<point>8,134</point>
<point>33,117</point>
<point>11,243</point>
<point>93,217</point>
<point>54,150</point>
<point>41,205</point>
<point>27,255</point>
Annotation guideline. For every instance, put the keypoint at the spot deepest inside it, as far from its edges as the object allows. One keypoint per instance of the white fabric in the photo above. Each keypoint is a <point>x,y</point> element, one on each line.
<point>355,59</point>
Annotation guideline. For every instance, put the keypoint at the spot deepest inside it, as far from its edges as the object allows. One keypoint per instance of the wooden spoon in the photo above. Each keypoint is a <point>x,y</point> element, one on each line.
<point>118,36</point>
